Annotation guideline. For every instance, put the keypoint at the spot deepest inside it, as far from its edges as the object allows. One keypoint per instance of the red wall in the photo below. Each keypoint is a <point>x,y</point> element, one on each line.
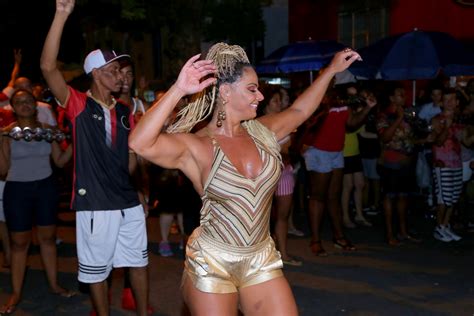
<point>312,18</point>
<point>318,18</point>
<point>432,15</point>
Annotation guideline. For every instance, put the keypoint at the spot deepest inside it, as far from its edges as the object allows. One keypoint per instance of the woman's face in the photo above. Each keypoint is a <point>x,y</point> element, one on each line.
<point>24,104</point>
<point>398,98</point>
<point>285,99</point>
<point>274,104</point>
<point>450,102</point>
<point>243,95</point>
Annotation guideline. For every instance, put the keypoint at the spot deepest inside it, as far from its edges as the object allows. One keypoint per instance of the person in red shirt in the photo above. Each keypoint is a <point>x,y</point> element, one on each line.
<point>325,162</point>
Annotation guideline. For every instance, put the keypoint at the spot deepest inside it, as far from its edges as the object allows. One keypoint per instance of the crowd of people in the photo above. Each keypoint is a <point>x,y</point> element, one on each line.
<point>247,154</point>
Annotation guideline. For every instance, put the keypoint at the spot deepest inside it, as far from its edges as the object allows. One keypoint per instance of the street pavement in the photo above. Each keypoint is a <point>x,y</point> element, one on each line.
<point>429,278</point>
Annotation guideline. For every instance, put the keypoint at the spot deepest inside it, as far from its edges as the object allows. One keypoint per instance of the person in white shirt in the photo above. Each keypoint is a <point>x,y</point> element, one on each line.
<point>433,108</point>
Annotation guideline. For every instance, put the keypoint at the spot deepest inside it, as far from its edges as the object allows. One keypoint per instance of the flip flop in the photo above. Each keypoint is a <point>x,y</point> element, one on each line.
<point>65,293</point>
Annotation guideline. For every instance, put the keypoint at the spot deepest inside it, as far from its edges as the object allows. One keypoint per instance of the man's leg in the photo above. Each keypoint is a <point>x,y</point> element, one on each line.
<point>139,281</point>
<point>131,251</point>
<point>100,298</point>
<point>96,234</point>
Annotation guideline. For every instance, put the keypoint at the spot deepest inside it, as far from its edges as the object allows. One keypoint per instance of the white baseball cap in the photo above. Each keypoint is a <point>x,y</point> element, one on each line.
<point>99,58</point>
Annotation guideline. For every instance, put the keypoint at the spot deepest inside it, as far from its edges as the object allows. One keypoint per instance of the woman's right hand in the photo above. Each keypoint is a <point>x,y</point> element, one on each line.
<point>343,59</point>
<point>65,6</point>
<point>192,76</point>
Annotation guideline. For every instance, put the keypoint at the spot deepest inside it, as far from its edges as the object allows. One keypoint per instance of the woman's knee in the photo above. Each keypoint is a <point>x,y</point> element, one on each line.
<point>47,235</point>
<point>19,244</point>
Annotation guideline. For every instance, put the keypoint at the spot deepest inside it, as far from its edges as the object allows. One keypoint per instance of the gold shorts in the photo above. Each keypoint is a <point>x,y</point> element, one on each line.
<point>216,267</point>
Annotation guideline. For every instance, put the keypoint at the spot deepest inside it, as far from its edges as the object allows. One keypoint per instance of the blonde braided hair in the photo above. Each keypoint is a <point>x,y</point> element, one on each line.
<point>226,58</point>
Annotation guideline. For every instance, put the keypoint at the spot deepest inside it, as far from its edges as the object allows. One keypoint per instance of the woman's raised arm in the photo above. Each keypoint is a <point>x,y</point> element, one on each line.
<point>285,122</point>
<point>168,150</point>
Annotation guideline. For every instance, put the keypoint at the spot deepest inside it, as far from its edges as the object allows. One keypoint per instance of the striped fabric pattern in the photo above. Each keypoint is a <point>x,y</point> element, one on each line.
<point>448,185</point>
<point>236,210</point>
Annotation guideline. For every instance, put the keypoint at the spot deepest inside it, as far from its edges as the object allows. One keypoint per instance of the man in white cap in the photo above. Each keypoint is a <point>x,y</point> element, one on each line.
<point>110,222</point>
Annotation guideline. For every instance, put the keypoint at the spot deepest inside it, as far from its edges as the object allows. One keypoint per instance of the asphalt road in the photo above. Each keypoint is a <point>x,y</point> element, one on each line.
<point>430,278</point>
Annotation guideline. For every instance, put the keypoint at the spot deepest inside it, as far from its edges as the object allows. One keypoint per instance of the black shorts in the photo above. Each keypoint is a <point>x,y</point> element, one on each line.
<point>397,181</point>
<point>30,203</point>
<point>353,164</point>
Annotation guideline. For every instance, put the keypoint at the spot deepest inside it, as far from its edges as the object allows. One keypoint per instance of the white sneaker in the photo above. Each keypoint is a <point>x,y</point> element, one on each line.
<point>448,231</point>
<point>441,235</point>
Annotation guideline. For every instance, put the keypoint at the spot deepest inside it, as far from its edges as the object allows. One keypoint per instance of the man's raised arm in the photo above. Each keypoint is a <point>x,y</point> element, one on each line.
<point>48,63</point>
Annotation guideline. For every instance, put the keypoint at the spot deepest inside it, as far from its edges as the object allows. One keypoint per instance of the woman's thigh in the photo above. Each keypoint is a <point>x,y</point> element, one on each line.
<point>208,304</point>
<point>319,183</point>
<point>359,180</point>
<point>283,206</point>
<point>271,298</point>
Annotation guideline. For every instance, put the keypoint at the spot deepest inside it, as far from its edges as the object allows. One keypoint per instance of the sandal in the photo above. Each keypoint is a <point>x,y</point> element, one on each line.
<point>409,238</point>
<point>10,307</point>
<point>317,249</point>
<point>7,309</point>
<point>362,221</point>
<point>393,242</point>
<point>344,244</point>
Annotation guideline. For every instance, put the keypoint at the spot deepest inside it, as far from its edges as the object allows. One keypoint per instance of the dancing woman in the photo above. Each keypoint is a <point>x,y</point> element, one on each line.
<point>234,163</point>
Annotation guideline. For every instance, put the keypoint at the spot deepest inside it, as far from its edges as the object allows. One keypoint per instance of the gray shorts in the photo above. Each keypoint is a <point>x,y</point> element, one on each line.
<point>323,161</point>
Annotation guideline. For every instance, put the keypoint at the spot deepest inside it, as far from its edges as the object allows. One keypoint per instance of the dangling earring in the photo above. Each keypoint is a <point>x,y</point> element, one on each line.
<point>221,115</point>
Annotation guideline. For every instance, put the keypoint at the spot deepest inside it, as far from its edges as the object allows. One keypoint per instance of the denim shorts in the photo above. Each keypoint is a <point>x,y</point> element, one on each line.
<point>323,161</point>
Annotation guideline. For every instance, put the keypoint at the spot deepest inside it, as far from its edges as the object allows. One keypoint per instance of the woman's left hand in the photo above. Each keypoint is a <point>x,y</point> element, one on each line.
<point>343,59</point>
<point>192,77</point>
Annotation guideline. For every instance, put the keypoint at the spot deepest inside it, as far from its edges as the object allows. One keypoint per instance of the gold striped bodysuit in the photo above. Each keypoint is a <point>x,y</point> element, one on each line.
<point>232,247</point>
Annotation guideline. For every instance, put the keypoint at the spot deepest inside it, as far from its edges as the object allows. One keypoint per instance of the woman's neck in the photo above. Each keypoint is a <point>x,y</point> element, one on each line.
<point>448,113</point>
<point>227,129</point>
<point>27,122</point>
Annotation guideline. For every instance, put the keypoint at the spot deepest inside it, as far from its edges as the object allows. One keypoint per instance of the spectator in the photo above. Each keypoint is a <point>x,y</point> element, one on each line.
<point>110,221</point>
<point>447,161</point>
<point>397,163</point>
<point>30,193</point>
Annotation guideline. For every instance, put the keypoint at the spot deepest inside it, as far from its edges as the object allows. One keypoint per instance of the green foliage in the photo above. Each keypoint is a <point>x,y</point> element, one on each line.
<point>133,10</point>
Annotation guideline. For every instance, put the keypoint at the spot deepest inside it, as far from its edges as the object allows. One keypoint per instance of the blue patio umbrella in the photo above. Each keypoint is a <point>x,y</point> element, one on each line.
<point>414,55</point>
<point>299,57</point>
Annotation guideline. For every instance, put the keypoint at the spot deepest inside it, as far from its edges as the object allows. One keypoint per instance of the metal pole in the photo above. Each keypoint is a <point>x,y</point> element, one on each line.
<point>414,92</point>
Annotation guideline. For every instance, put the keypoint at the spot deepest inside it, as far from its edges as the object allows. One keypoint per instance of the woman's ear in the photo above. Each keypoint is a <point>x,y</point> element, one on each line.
<point>224,91</point>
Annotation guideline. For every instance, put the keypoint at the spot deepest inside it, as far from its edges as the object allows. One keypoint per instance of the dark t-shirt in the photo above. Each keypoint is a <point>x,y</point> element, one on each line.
<point>100,137</point>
